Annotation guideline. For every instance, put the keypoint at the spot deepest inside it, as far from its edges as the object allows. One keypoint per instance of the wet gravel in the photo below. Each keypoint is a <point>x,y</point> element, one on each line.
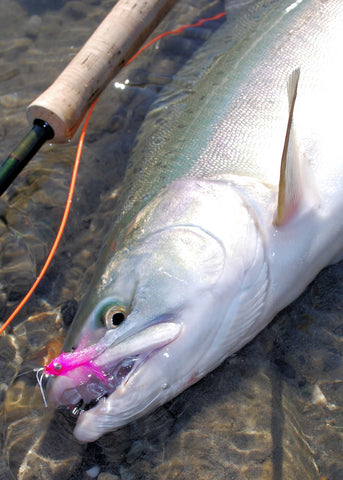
<point>273,411</point>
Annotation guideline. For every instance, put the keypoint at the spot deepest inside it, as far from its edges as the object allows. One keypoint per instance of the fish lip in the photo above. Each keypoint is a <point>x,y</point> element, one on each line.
<point>85,396</point>
<point>86,403</point>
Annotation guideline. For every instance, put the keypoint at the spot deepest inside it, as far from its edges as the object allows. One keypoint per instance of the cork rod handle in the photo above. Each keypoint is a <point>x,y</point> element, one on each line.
<point>117,38</point>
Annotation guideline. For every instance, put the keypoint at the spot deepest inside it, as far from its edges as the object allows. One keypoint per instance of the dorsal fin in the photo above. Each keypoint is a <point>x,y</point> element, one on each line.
<point>290,184</point>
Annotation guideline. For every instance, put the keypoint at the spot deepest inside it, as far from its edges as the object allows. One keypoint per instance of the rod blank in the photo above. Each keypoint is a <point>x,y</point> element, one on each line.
<point>22,154</point>
<point>57,112</point>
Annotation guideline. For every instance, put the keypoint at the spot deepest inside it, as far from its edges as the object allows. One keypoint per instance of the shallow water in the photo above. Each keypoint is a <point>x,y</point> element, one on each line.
<point>271,412</point>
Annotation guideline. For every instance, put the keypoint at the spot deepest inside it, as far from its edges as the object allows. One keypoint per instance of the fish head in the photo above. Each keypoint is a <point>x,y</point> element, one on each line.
<point>157,319</point>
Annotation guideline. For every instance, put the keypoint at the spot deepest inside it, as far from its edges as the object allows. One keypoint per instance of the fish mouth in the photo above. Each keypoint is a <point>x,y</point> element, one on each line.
<point>88,394</point>
<point>86,386</point>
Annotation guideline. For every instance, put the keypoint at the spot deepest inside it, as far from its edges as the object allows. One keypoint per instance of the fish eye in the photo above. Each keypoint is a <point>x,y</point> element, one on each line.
<point>114,316</point>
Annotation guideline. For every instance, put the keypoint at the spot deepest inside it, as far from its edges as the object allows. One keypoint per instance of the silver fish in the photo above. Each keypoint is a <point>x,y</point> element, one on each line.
<point>214,237</point>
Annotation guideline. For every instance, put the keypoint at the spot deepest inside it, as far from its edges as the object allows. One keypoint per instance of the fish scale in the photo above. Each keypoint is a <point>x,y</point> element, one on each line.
<point>203,240</point>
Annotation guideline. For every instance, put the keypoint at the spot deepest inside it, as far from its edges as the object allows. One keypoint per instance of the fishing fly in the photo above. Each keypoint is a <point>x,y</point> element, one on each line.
<point>81,359</point>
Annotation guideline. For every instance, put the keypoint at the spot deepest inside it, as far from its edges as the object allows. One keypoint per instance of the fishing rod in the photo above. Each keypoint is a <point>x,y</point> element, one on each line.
<point>57,113</point>
<point>34,141</point>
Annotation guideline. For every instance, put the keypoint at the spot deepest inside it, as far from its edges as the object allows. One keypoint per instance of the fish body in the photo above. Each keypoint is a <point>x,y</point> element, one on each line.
<point>206,250</point>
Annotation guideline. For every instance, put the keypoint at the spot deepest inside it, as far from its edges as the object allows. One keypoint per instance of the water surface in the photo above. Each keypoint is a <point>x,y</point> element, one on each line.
<point>271,412</point>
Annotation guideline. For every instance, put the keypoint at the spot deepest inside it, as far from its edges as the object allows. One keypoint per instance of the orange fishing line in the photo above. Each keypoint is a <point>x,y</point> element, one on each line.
<point>76,167</point>
<point>62,225</point>
<point>174,32</point>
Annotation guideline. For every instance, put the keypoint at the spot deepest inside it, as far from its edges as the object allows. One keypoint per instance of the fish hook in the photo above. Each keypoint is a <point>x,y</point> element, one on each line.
<point>40,374</point>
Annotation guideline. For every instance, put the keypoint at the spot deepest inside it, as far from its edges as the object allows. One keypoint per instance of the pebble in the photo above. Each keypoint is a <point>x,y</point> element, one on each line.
<point>108,476</point>
<point>75,10</point>
<point>318,398</point>
<point>33,26</point>
<point>11,100</point>
<point>9,73</point>
<point>93,472</point>
<point>17,47</point>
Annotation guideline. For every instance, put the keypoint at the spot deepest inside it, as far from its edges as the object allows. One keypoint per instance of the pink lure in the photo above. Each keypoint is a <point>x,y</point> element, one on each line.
<point>67,363</point>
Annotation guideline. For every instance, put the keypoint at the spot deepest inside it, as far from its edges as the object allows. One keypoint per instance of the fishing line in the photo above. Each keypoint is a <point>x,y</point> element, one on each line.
<point>62,225</point>
<point>75,171</point>
<point>175,32</point>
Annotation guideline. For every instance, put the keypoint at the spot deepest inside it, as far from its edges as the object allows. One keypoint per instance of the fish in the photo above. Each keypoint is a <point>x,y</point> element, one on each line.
<point>230,206</point>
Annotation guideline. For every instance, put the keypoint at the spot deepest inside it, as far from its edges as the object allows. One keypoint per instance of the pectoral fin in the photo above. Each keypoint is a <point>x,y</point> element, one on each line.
<point>294,186</point>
